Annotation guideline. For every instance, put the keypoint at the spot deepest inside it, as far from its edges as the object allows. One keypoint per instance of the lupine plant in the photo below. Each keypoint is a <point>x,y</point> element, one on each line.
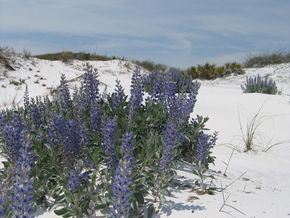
<point>205,143</point>
<point>85,153</point>
<point>257,84</point>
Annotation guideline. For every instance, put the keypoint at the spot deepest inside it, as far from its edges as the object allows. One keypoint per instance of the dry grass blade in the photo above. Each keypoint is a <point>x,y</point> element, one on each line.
<point>251,131</point>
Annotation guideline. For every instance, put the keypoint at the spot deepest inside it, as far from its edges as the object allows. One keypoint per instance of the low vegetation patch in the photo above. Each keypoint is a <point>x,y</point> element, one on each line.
<point>211,71</point>
<point>267,59</point>
<point>257,84</point>
<point>66,56</point>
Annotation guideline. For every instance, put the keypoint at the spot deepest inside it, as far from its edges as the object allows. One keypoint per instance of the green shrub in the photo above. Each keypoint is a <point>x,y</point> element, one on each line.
<point>211,71</point>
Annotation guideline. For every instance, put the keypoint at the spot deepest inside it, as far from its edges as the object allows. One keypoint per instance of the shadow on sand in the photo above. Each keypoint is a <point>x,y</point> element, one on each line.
<point>171,205</point>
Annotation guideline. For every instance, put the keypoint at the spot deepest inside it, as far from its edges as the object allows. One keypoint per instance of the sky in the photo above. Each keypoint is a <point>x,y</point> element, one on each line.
<point>178,33</point>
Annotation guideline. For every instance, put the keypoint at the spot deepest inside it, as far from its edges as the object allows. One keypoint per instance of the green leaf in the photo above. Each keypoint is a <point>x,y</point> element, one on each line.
<point>61,212</point>
<point>149,211</point>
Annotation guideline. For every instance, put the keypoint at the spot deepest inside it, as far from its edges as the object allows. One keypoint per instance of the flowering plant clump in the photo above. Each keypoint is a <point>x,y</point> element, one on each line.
<point>85,153</point>
<point>257,84</point>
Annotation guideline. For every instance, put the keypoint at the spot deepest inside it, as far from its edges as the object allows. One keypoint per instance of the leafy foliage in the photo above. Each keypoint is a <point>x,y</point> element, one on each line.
<point>87,152</point>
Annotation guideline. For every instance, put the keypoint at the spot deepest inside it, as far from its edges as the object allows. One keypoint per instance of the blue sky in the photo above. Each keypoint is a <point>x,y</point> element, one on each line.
<point>174,32</point>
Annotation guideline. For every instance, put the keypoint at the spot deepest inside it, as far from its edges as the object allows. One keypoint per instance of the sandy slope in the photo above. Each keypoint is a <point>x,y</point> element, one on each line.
<point>260,180</point>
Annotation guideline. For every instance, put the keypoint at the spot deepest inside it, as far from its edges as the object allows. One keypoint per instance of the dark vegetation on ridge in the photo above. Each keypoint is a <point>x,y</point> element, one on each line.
<point>206,71</point>
<point>262,60</point>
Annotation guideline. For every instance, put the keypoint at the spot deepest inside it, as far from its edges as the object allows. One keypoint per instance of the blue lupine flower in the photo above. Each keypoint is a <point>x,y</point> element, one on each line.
<point>95,118</point>
<point>35,114</point>
<point>73,182</point>
<point>127,149</point>
<point>213,139</point>
<point>13,136</point>
<point>74,139</point>
<point>63,96</point>
<point>2,119</point>
<point>118,96</point>
<point>137,92</point>
<point>2,213</point>
<point>170,142</point>
<point>89,88</point>
<point>202,146</point>
<point>123,178</point>
<point>121,190</point>
<point>109,141</point>
<point>22,196</point>
<point>55,128</point>
<point>181,107</point>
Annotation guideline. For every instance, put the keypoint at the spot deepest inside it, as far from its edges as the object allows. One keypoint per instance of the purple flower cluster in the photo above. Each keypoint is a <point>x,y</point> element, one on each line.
<point>55,127</point>
<point>121,190</point>
<point>118,96</point>
<point>89,91</point>
<point>127,149</point>
<point>2,119</point>
<point>181,107</point>
<point>109,140</point>
<point>2,212</point>
<point>137,92</point>
<point>22,196</point>
<point>74,139</point>
<point>123,178</point>
<point>13,136</point>
<point>204,143</point>
<point>63,96</point>
<point>73,181</point>
<point>95,118</point>
<point>35,114</point>
<point>170,142</point>
<point>164,89</point>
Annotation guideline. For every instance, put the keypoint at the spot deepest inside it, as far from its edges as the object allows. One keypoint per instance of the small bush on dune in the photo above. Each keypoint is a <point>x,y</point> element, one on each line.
<point>211,71</point>
<point>257,84</point>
